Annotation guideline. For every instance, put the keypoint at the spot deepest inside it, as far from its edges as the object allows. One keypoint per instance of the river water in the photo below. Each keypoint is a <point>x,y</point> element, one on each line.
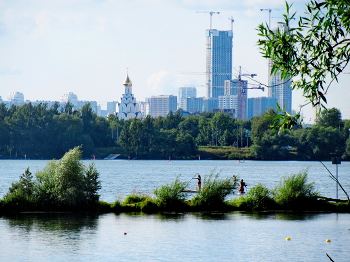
<point>178,237</point>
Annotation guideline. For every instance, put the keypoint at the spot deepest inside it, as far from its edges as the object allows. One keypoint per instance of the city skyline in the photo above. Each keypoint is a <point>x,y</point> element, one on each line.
<point>85,47</point>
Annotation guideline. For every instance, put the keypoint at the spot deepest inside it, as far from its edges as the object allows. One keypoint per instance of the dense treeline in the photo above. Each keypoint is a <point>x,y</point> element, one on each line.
<point>39,132</point>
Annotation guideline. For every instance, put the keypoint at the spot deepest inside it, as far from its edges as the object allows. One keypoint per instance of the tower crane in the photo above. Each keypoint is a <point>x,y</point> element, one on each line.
<point>231,20</point>
<point>269,9</point>
<point>211,15</point>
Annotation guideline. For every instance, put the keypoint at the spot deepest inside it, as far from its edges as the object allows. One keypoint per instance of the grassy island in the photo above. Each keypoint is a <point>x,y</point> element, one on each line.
<point>67,185</point>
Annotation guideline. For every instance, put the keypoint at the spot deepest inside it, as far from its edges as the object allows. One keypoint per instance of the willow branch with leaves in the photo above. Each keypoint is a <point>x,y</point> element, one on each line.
<point>313,53</point>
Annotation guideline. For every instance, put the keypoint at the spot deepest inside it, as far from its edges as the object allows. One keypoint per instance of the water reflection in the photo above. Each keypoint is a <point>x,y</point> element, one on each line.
<point>52,222</point>
<point>281,215</point>
<point>212,216</point>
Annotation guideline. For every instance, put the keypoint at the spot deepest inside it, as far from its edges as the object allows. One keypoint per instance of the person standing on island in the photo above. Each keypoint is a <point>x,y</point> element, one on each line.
<point>199,182</point>
<point>242,184</point>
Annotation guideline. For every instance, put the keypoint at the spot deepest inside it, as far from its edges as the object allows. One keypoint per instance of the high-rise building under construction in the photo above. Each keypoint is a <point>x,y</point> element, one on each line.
<point>280,88</point>
<point>218,61</point>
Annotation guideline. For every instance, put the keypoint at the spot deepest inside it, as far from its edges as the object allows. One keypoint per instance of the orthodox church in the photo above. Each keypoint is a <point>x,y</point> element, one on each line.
<point>128,107</point>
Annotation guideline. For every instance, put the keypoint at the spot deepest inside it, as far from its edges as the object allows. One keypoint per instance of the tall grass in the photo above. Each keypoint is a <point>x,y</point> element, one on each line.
<point>171,196</point>
<point>214,191</point>
<point>294,192</point>
<point>258,198</point>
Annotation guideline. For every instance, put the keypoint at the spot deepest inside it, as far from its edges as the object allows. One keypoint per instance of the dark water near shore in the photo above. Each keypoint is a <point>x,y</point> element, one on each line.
<point>188,237</point>
<point>184,237</point>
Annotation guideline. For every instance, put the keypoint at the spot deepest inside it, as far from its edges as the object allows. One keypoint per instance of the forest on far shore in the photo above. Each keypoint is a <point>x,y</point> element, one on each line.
<point>40,132</point>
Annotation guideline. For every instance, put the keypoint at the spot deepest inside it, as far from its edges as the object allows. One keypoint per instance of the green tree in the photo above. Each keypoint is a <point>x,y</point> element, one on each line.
<point>313,53</point>
<point>22,194</point>
<point>321,143</point>
<point>67,183</point>
<point>189,126</point>
<point>330,118</point>
<point>205,134</point>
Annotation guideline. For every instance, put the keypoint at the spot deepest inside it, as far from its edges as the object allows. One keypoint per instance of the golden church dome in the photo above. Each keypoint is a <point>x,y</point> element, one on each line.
<point>127,81</point>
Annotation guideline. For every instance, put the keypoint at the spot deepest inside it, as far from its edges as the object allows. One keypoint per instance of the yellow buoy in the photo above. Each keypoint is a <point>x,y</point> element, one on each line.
<point>328,240</point>
<point>288,239</point>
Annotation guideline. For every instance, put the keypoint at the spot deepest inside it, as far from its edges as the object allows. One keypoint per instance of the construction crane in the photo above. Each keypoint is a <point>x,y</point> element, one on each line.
<point>231,20</point>
<point>269,9</point>
<point>211,15</point>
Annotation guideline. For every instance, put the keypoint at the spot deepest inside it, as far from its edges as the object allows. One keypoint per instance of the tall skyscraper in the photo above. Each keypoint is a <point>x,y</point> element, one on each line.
<point>218,60</point>
<point>280,88</point>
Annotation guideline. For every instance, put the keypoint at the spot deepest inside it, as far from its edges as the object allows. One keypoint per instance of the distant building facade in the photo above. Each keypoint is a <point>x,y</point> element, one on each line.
<point>145,108</point>
<point>259,105</point>
<point>218,60</point>
<point>210,103</point>
<point>235,97</point>
<point>16,98</point>
<point>280,88</point>
<point>161,105</point>
<point>112,107</point>
<point>193,104</point>
<point>186,92</point>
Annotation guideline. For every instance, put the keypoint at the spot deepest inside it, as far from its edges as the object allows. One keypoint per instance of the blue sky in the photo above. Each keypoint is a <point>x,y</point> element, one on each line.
<point>51,47</point>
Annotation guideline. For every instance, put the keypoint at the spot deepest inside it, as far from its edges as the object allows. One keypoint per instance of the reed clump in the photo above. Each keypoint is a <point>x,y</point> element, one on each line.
<point>171,196</point>
<point>258,198</point>
<point>294,192</point>
<point>213,192</point>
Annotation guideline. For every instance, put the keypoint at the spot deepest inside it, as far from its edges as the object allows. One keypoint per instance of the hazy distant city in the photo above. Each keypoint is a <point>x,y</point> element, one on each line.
<point>223,92</point>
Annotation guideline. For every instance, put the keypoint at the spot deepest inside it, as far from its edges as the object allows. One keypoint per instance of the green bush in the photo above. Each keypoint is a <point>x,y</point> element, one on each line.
<point>171,196</point>
<point>258,198</point>
<point>293,192</point>
<point>62,185</point>
<point>67,183</point>
<point>21,195</point>
<point>214,191</point>
<point>149,206</point>
<point>133,199</point>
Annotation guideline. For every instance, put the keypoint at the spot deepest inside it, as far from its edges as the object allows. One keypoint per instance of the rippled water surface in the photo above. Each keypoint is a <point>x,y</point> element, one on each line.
<point>121,177</point>
<point>185,237</point>
<point>188,237</point>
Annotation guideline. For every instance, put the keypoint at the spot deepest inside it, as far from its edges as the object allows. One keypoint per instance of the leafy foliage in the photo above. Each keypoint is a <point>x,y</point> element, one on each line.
<point>294,191</point>
<point>171,196</point>
<point>258,198</point>
<point>214,191</point>
<point>316,50</point>
<point>22,194</point>
<point>67,183</point>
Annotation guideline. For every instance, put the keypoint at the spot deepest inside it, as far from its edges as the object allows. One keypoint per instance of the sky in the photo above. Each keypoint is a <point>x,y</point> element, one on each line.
<point>52,47</point>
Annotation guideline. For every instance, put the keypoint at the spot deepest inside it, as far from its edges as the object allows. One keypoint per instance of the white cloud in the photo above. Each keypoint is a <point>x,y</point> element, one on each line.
<point>161,83</point>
